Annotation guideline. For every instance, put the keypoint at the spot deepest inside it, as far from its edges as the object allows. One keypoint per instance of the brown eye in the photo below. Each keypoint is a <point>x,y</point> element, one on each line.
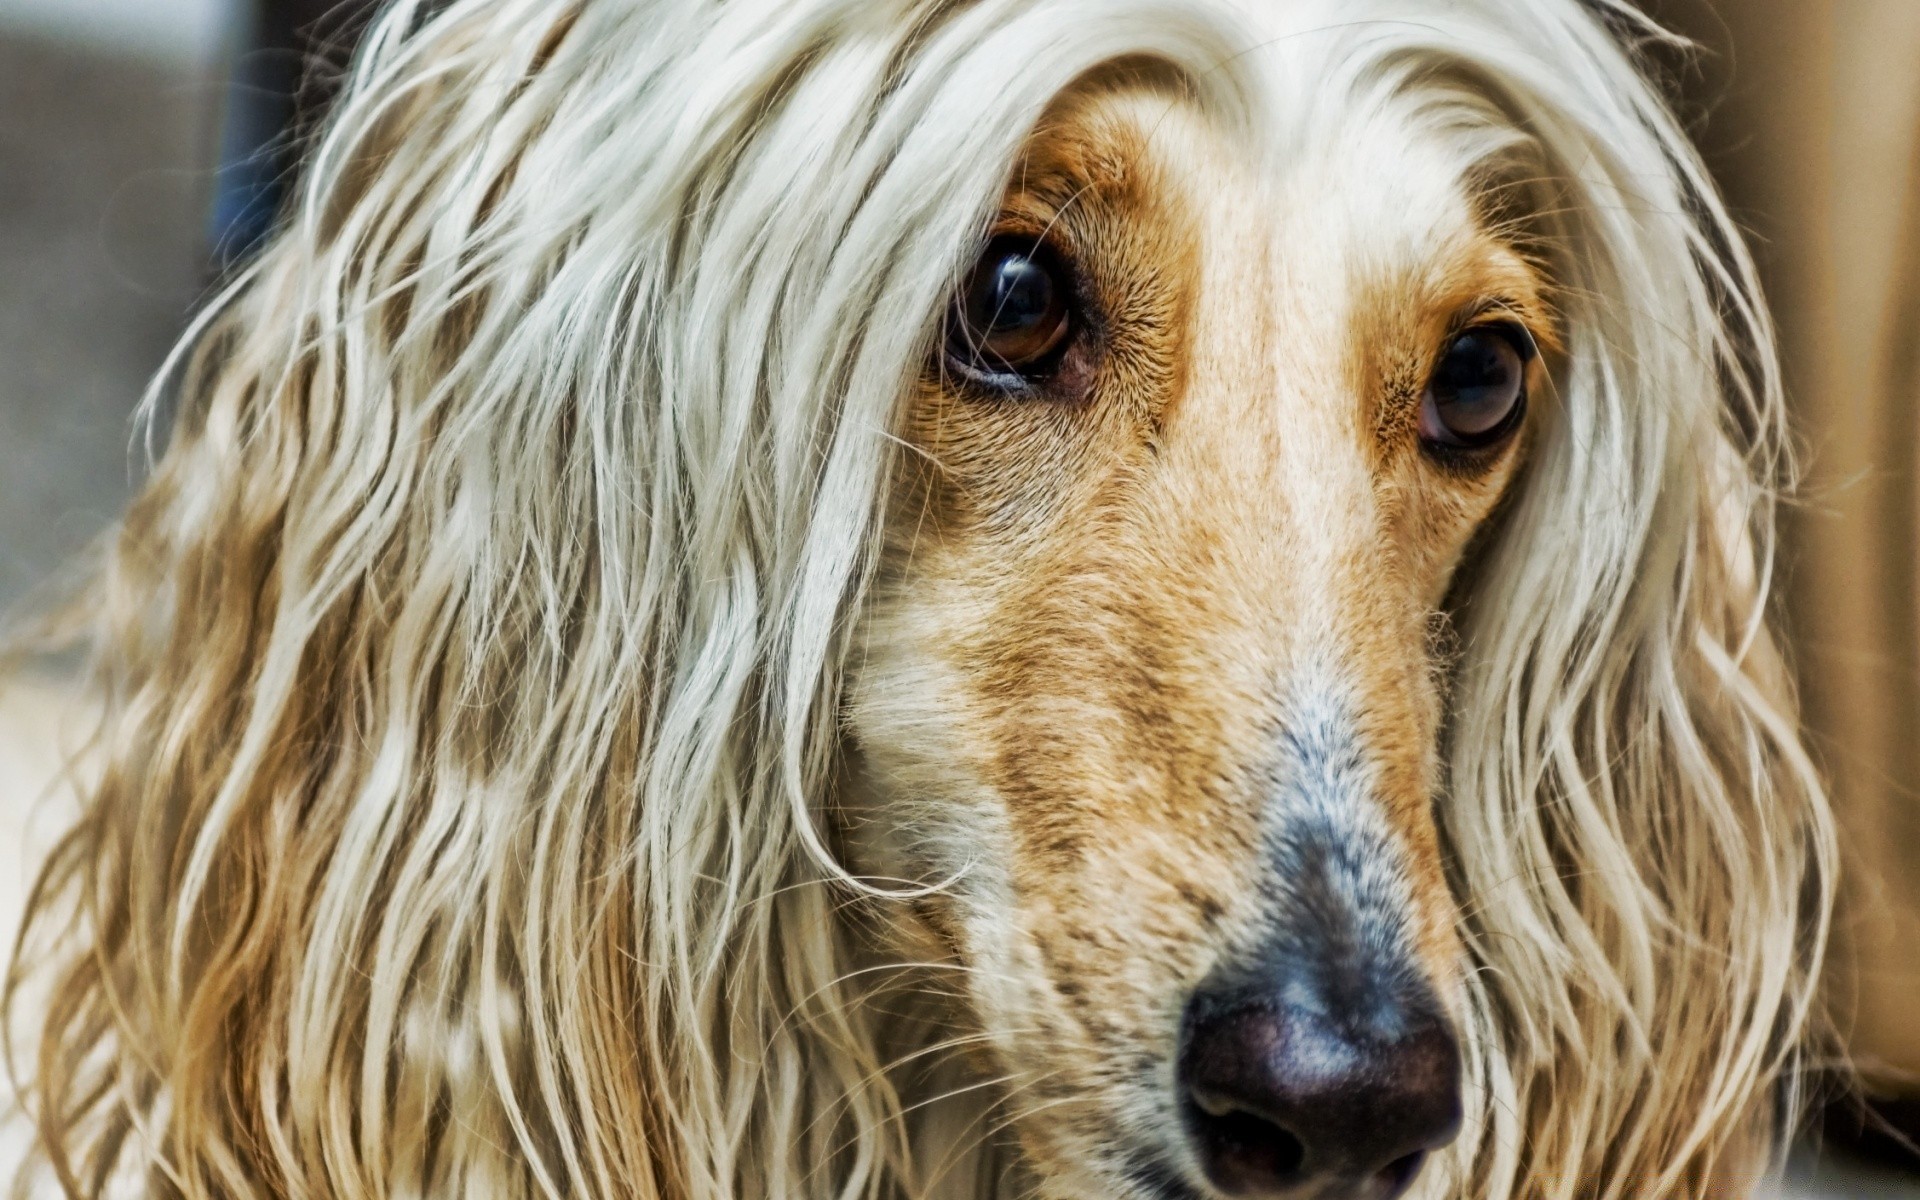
<point>1013,315</point>
<point>1478,393</point>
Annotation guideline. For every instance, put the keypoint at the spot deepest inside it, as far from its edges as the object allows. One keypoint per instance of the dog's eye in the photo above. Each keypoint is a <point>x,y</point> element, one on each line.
<point>1013,314</point>
<point>1478,393</point>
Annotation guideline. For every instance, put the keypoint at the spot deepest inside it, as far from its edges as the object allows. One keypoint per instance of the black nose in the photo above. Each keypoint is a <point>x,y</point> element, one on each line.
<point>1285,1097</point>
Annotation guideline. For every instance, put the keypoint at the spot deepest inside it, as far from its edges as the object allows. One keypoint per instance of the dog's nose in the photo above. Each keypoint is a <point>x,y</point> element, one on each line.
<point>1284,1097</point>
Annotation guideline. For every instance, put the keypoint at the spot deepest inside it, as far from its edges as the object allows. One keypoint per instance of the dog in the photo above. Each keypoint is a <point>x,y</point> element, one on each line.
<point>1122,599</point>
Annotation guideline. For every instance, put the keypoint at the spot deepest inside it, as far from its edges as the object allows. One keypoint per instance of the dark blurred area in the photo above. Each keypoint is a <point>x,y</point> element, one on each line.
<point>144,151</point>
<point>296,52</point>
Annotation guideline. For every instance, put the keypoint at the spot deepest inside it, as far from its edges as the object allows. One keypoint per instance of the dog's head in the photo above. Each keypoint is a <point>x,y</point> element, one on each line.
<point>1154,674</point>
<point>1207,555</point>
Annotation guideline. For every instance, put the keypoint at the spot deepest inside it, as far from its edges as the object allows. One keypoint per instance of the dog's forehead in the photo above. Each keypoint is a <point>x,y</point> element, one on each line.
<point>1374,193</point>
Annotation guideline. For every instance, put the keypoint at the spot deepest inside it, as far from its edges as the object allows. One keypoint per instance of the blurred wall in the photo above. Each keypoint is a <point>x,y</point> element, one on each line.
<point>177,30</point>
<point>109,116</point>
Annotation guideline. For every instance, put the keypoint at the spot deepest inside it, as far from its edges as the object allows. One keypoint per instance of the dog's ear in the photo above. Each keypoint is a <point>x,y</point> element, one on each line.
<point>1640,842</point>
<point>470,660</point>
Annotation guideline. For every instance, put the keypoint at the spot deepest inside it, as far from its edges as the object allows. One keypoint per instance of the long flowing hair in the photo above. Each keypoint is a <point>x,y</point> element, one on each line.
<point>459,821</point>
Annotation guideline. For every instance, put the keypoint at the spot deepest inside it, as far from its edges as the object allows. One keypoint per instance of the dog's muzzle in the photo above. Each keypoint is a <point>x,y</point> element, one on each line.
<point>1320,1064</point>
<point>1289,1092</point>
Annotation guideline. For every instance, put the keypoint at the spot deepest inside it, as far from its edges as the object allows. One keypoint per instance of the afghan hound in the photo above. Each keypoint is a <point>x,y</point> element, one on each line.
<point>896,599</point>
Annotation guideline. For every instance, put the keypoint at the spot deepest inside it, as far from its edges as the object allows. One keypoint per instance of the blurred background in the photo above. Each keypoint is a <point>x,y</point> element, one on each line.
<point>109,117</point>
<point>116,212</point>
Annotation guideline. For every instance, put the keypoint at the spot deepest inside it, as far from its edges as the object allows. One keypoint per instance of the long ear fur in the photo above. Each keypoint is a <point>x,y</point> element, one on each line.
<point>469,665</point>
<point>1640,842</point>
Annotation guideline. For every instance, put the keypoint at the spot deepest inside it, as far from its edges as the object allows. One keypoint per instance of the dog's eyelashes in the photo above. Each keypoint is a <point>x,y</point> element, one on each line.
<point>1478,392</point>
<point>1014,315</point>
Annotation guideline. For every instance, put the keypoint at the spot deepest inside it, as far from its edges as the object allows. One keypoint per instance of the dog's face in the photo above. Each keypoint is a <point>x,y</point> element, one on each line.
<point>1154,673</point>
